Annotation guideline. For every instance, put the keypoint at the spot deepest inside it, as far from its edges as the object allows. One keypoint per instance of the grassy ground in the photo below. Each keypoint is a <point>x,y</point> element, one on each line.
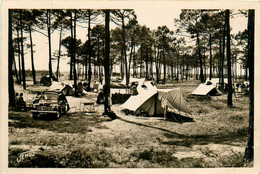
<point>215,137</point>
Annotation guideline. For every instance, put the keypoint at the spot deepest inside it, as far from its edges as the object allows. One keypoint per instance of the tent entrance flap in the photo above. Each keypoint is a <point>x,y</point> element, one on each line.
<point>152,106</point>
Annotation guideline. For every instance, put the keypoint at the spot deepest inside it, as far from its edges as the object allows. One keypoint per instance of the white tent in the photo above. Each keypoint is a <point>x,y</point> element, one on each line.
<point>155,101</point>
<point>204,89</point>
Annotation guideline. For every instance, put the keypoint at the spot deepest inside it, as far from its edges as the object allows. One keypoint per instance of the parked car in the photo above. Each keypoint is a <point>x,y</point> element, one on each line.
<point>50,102</point>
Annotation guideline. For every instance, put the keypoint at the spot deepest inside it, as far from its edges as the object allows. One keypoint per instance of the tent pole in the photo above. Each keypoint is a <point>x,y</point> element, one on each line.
<point>155,104</point>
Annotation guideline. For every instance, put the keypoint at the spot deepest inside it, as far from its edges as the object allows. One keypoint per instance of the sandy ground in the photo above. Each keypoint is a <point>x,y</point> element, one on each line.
<point>216,132</point>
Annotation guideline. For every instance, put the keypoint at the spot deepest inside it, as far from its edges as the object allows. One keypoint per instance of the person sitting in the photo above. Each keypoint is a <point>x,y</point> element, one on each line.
<point>80,88</point>
<point>21,103</point>
<point>100,98</point>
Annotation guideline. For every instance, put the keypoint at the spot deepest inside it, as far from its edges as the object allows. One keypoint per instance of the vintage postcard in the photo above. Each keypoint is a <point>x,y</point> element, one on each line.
<point>129,86</point>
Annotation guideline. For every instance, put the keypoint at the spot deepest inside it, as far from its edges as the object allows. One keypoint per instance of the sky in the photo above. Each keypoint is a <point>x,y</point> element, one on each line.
<point>151,17</point>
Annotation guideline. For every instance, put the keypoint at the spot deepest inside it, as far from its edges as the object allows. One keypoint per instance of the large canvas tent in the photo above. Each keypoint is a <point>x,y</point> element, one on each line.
<point>155,101</point>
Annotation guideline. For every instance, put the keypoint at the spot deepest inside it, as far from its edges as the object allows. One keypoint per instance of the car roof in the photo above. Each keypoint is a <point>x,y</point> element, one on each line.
<point>52,92</point>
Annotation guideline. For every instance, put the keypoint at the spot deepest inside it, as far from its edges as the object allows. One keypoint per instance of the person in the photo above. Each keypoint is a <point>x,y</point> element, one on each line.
<point>80,88</point>
<point>21,103</point>
<point>100,98</point>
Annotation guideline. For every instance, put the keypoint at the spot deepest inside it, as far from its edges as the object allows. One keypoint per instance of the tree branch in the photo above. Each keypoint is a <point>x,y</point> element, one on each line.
<point>40,32</point>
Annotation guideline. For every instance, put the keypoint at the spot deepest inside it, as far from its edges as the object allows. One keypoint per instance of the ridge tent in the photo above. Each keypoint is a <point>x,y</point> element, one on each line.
<point>155,101</point>
<point>206,89</point>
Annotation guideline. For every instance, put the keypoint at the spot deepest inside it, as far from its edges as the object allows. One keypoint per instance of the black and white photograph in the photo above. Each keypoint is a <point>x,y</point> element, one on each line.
<point>152,85</point>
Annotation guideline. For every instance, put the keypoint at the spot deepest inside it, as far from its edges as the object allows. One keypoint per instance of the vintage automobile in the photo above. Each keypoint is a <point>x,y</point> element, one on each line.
<point>50,102</point>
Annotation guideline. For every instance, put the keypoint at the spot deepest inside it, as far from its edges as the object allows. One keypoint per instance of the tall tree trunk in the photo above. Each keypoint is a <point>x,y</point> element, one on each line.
<point>131,55</point>
<point>124,50</point>
<point>236,67</point>
<point>49,39</point>
<point>15,71</point>
<point>71,45</point>
<point>156,65</point>
<point>98,60</point>
<point>187,72</point>
<point>180,70</point>
<point>58,61</point>
<point>146,64</point>
<point>200,59</point>
<point>19,57</point>
<point>74,56</point>
<point>122,64</point>
<point>182,76</point>
<point>141,65</point>
<point>106,61</point>
<point>86,67</point>
<point>151,67</point>
<point>22,55</point>
<point>160,64</point>
<point>177,65</point>
<point>249,152</point>
<point>210,57</point>
<point>134,64</point>
<point>90,51</point>
<point>205,67</point>
<point>223,57</point>
<point>230,88</point>
<point>11,92</point>
<point>32,59</point>
<point>172,69</point>
<point>220,60</point>
<point>246,70</point>
<point>164,66</point>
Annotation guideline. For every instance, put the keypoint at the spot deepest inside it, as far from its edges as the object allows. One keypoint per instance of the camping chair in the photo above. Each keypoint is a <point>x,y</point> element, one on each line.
<point>88,107</point>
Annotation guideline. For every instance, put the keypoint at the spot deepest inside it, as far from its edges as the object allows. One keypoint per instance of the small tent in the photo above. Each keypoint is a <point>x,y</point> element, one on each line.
<point>155,101</point>
<point>206,89</point>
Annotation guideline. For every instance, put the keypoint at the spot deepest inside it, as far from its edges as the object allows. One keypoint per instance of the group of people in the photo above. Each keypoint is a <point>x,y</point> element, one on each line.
<point>19,101</point>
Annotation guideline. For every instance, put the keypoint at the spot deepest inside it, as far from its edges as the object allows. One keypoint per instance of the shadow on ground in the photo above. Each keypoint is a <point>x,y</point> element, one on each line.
<point>177,139</point>
<point>70,123</point>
